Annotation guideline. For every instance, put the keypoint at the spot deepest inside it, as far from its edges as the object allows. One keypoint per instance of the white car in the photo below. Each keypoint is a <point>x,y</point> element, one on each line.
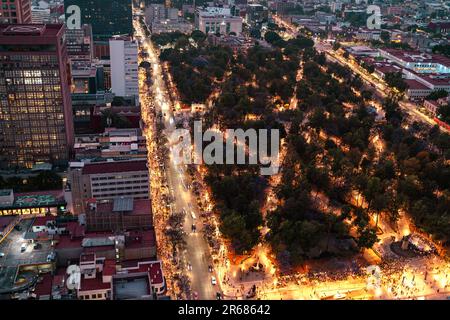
<point>2,254</point>
<point>213,281</point>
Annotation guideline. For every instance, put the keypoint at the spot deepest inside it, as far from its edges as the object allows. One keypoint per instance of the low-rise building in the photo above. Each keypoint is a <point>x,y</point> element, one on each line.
<point>107,181</point>
<point>37,203</point>
<point>112,143</point>
<point>418,61</point>
<point>367,35</point>
<point>433,106</point>
<point>119,214</point>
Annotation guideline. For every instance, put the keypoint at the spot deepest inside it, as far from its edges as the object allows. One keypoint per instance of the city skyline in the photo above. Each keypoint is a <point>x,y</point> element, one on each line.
<point>224,150</point>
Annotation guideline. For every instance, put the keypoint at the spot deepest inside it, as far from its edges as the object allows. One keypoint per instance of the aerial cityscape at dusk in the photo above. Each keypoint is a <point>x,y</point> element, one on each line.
<point>237,150</point>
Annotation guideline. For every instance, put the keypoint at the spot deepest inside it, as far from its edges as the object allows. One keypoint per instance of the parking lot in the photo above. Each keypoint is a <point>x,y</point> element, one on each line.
<point>13,255</point>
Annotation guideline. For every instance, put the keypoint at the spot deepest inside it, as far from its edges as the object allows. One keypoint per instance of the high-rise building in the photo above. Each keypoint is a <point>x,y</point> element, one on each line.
<point>80,45</point>
<point>15,11</point>
<point>124,67</point>
<point>107,17</point>
<point>35,104</point>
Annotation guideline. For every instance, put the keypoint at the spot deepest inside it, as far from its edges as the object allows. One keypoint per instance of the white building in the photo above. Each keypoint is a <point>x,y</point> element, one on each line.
<point>217,20</point>
<point>124,67</point>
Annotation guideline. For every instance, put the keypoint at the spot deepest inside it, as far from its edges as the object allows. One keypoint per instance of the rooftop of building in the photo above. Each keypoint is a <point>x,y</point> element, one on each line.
<point>131,286</point>
<point>115,167</point>
<point>6,192</point>
<point>109,267</point>
<point>417,56</point>
<point>30,30</point>
<point>118,109</point>
<point>94,284</point>
<point>91,242</point>
<point>141,239</point>
<point>51,198</point>
<point>415,85</point>
<point>153,267</point>
<point>87,257</point>
<point>5,221</point>
<point>127,205</point>
<point>387,68</point>
<point>42,221</point>
<point>44,285</point>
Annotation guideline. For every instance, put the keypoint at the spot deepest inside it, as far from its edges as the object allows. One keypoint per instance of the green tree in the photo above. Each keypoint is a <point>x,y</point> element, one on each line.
<point>272,37</point>
<point>395,80</point>
<point>385,36</point>
<point>367,238</point>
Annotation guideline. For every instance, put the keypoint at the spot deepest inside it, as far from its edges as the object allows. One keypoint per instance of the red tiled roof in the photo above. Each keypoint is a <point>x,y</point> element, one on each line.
<point>94,284</point>
<point>145,239</point>
<point>415,85</point>
<point>59,279</point>
<point>45,286</point>
<point>417,56</point>
<point>109,267</point>
<point>42,221</point>
<point>5,221</point>
<point>64,242</point>
<point>117,166</point>
<point>75,229</point>
<point>387,69</point>
<point>87,257</point>
<point>154,268</point>
<point>436,80</point>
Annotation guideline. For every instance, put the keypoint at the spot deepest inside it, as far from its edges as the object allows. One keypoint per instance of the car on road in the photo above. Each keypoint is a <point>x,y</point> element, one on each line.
<point>18,228</point>
<point>37,246</point>
<point>2,254</point>
<point>339,296</point>
<point>195,294</point>
<point>213,281</point>
<point>218,296</point>
<point>210,268</point>
<point>51,257</point>
<point>23,247</point>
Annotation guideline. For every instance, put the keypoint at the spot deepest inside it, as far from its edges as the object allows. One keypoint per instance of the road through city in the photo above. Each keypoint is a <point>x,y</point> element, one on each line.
<point>196,258</point>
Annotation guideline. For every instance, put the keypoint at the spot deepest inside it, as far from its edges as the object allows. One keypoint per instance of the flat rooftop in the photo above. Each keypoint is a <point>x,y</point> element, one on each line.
<point>136,207</point>
<point>115,167</point>
<point>132,286</point>
<point>13,31</point>
<point>52,198</point>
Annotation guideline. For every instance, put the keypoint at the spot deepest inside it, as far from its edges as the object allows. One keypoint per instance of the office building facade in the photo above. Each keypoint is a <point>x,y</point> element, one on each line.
<point>107,181</point>
<point>35,104</point>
